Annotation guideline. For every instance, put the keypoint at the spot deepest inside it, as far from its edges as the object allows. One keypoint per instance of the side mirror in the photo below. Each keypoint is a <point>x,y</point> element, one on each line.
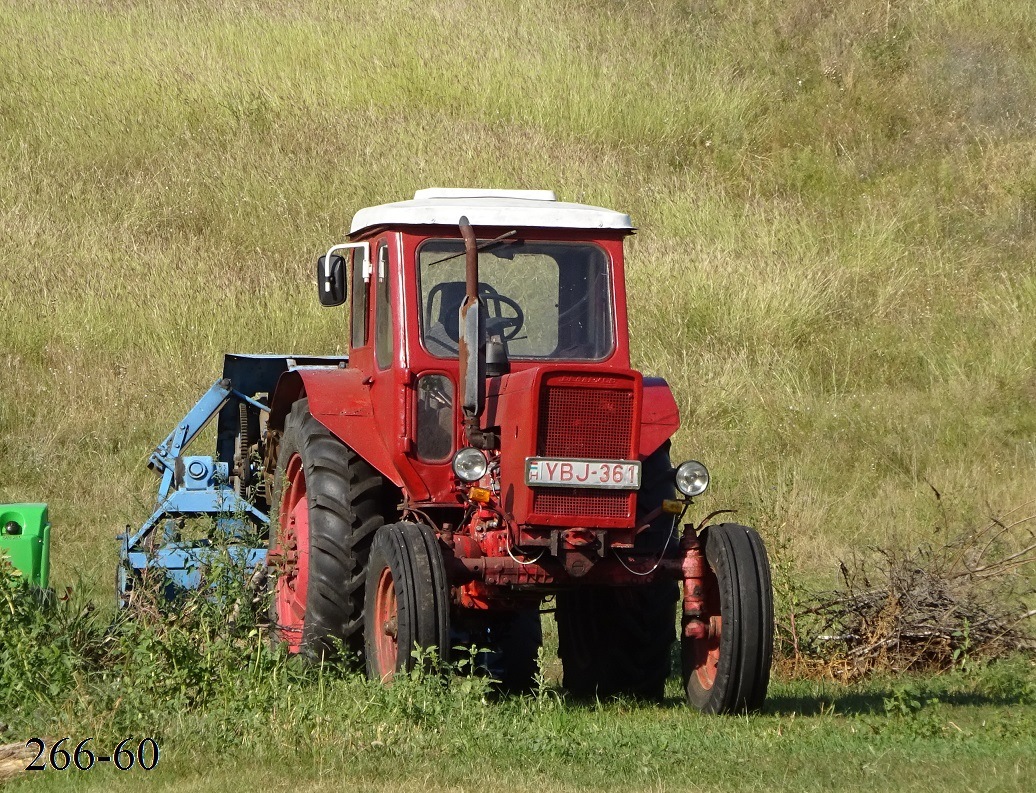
<point>332,285</point>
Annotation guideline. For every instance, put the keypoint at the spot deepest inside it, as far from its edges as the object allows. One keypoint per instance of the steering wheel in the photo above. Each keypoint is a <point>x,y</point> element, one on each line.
<point>506,327</point>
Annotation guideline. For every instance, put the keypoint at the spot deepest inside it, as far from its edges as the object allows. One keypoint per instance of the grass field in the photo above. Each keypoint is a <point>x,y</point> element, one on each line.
<point>836,206</point>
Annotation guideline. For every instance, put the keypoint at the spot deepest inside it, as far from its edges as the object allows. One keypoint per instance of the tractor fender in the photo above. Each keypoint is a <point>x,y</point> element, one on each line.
<point>660,417</point>
<point>340,400</point>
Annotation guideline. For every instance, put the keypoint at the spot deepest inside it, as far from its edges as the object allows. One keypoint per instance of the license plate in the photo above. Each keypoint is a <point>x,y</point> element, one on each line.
<point>608,474</point>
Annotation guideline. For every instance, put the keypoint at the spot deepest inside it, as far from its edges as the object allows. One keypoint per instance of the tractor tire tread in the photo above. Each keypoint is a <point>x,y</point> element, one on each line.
<point>762,681</point>
<point>617,641</point>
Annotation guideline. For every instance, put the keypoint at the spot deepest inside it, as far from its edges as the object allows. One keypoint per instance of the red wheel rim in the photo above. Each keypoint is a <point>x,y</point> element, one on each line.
<point>293,545</point>
<point>706,651</point>
<point>386,626</point>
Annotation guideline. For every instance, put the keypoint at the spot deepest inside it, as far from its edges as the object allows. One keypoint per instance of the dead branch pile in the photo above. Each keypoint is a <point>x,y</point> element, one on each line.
<point>934,607</point>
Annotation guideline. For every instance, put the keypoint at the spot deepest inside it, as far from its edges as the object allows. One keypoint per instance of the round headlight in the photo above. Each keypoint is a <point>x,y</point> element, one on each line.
<point>470,464</point>
<point>692,478</point>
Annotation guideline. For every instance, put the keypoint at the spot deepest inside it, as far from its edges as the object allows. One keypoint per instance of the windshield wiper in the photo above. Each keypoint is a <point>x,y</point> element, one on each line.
<point>481,247</point>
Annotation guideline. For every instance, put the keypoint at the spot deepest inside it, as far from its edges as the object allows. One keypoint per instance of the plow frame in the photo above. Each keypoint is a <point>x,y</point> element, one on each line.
<point>201,486</point>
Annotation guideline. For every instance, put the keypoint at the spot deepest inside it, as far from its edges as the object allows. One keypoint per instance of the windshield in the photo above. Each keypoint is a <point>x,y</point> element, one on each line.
<point>543,299</point>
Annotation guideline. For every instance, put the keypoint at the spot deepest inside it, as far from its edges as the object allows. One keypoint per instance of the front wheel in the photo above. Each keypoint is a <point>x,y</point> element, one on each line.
<point>407,600</point>
<point>729,670</point>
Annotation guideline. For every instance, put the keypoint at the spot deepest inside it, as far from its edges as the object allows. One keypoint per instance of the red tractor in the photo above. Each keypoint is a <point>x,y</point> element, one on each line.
<point>486,448</point>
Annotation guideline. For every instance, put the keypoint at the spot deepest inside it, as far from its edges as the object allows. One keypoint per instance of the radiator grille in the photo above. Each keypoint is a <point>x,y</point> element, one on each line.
<point>591,423</point>
<point>575,503</point>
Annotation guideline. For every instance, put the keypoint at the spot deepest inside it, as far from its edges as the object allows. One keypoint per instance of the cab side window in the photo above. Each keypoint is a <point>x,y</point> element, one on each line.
<point>359,305</point>
<point>434,417</point>
<point>383,347</point>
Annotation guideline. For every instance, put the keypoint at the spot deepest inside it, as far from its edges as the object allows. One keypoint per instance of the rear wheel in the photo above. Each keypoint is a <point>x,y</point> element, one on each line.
<point>507,646</point>
<point>407,600</point>
<point>327,503</point>
<point>616,641</point>
<point>729,671</point>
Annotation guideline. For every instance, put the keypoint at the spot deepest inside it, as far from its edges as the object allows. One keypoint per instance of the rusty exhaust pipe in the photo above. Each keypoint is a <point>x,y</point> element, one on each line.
<point>470,262</point>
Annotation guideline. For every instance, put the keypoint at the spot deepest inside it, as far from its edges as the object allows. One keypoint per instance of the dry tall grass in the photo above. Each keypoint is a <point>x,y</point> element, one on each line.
<point>836,203</point>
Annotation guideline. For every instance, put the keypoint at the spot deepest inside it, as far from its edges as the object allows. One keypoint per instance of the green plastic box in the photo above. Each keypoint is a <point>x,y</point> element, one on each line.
<point>25,539</point>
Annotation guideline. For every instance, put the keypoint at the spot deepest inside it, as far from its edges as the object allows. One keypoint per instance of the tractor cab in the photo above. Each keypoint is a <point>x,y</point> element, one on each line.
<point>547,301</point>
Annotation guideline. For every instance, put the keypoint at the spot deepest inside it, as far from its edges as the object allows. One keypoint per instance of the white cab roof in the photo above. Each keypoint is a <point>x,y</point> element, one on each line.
<point>518,208</point>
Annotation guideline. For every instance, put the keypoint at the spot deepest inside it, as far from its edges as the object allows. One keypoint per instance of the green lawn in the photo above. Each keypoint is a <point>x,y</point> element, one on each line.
<point>889,735</point>
<point>228,713</point>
